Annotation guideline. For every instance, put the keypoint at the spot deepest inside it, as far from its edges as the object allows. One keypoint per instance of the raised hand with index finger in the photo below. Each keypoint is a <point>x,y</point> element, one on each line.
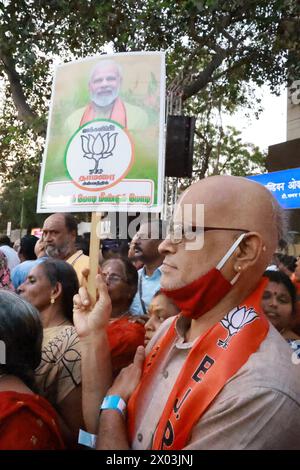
<point>89,319</point>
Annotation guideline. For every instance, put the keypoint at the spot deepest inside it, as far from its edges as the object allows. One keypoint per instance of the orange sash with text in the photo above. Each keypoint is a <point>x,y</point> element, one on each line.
<point>214,358</point>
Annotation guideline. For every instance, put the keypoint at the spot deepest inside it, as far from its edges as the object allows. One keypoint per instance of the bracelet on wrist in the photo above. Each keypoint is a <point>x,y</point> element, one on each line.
<point>114,402</point>
<point>87,439</point>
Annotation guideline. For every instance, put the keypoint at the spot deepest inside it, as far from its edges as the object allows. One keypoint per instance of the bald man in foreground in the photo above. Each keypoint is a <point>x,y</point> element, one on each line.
<point>219,376</point>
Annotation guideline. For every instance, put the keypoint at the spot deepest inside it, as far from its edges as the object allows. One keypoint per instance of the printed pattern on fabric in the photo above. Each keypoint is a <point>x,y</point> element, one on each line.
<point>60,369</point>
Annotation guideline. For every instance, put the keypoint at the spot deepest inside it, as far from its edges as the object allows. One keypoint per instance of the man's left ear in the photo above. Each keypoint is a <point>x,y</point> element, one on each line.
<point>248,252</point>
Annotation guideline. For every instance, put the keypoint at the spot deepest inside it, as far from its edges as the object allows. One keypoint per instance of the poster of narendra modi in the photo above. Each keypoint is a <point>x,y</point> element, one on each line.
<point>105,137</point>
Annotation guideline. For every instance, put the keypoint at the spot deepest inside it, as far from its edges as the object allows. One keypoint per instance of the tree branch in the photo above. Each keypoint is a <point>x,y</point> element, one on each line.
<point>205,76</point>
<point>25,113</point>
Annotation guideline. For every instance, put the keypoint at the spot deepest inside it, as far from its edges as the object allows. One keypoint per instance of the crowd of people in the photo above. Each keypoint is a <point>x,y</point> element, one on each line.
<point>182,349</point>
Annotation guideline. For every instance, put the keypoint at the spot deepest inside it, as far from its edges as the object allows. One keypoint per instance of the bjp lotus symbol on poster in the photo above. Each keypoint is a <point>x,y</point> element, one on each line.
<point>99,155</point>
<point>97,147</point>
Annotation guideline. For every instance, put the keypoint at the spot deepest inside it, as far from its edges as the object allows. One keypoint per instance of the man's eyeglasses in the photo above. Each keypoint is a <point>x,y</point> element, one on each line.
<point>177,232</point>
<point>113,278</point>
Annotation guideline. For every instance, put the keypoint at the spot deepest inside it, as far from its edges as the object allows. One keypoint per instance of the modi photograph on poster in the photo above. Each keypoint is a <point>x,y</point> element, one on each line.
<point>105,136</point>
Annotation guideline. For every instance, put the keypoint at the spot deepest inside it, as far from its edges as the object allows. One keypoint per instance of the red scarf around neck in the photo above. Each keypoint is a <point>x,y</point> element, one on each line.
<point>201,295</point>
<point>214,358</point>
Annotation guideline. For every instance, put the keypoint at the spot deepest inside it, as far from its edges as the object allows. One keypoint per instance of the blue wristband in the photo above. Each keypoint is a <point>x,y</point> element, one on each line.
<point>114,402</point>
<point>87,439</point>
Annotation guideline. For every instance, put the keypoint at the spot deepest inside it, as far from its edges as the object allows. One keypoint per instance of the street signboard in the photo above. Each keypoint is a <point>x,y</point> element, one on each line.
<point>284,185</point>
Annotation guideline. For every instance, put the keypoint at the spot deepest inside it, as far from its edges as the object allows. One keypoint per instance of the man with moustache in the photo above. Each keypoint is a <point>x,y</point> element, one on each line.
<point>105,103</point>
<point>59,237</point>
<point>219,376</point>
<point>145,249</point>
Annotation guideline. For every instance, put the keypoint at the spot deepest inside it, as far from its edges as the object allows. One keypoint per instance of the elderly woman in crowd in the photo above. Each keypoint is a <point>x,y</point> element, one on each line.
<point>50,287</point>
<point>124,334</point>
<point>278,303</point>
<point>160,308</point>
<point>27,421</point>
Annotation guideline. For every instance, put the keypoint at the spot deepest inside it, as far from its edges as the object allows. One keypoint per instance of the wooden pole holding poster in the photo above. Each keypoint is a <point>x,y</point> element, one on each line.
<point>94,254</point>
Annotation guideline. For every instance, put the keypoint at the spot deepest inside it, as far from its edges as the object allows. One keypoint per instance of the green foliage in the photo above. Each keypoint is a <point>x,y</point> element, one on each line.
<point>231,156</point>
<point>220,151</point>
<point>18,203</point>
